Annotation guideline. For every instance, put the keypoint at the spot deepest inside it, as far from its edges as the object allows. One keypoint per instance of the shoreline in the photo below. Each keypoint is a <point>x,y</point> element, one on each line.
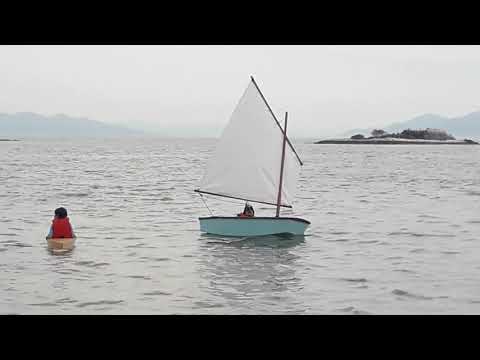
<point>397,142</point>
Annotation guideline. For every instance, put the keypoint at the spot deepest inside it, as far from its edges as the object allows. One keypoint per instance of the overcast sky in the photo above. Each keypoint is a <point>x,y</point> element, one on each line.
<point>192,90</point>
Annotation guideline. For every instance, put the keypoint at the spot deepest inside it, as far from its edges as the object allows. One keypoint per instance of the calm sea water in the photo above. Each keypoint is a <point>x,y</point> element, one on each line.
<point>395,230</point>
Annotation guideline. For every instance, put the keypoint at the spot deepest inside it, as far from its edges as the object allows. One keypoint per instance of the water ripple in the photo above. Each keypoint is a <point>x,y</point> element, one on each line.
<point>355,280</point>
<point>101,302</point>
<point>155,293</point>
<point>404,293</point>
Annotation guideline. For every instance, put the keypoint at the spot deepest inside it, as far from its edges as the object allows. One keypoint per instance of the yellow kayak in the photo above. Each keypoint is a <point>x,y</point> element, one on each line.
<point>61,244</point>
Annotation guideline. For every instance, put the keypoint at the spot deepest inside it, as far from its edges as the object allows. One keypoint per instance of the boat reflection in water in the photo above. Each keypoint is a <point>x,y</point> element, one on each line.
<point>253,274</point>
<point>285,240</point>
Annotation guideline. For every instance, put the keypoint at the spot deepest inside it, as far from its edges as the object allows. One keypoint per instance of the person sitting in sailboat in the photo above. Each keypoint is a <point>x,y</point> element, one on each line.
<point>247,211</point>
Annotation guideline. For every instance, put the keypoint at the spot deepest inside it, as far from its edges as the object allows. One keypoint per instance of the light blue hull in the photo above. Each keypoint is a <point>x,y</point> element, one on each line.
<point>256,226</point>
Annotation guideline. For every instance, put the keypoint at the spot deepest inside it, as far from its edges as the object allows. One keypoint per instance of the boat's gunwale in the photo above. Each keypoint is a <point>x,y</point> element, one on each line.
<point>255,218</point>
<point>61,238</point>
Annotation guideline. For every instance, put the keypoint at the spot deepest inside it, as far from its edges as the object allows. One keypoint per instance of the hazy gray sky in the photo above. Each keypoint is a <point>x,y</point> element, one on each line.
<point>192,90</point>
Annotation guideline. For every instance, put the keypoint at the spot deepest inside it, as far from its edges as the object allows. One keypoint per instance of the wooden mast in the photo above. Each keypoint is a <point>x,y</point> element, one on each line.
<point>279,198</point>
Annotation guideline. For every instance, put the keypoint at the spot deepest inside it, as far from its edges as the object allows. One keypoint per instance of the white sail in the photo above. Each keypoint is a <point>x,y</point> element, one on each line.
<point>246,162</point>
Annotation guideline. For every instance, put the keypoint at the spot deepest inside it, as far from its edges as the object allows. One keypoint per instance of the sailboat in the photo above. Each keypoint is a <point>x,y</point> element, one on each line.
<point>254,161</point>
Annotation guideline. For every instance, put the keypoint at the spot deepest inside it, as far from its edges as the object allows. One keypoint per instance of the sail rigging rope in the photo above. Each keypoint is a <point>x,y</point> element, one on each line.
<point>201,196</point>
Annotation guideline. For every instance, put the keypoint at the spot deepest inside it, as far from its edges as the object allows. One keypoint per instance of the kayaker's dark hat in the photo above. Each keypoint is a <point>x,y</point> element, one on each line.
<point>61,212</point>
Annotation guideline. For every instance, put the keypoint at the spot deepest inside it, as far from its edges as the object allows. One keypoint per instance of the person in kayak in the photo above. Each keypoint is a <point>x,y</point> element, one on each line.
<point>247,211</point>
<point>61,227</point>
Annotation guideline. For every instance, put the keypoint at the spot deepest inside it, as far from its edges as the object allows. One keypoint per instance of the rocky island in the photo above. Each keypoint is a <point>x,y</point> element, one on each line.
<point>416,137</point>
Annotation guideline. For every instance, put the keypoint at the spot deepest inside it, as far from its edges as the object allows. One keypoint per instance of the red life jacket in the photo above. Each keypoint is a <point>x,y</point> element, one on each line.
<point>61,228</point>
<point>244,215</point>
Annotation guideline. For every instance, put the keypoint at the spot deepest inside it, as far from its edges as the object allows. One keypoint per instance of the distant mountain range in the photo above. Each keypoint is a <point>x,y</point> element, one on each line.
<point>28,124</point>
<point>467,126</point>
